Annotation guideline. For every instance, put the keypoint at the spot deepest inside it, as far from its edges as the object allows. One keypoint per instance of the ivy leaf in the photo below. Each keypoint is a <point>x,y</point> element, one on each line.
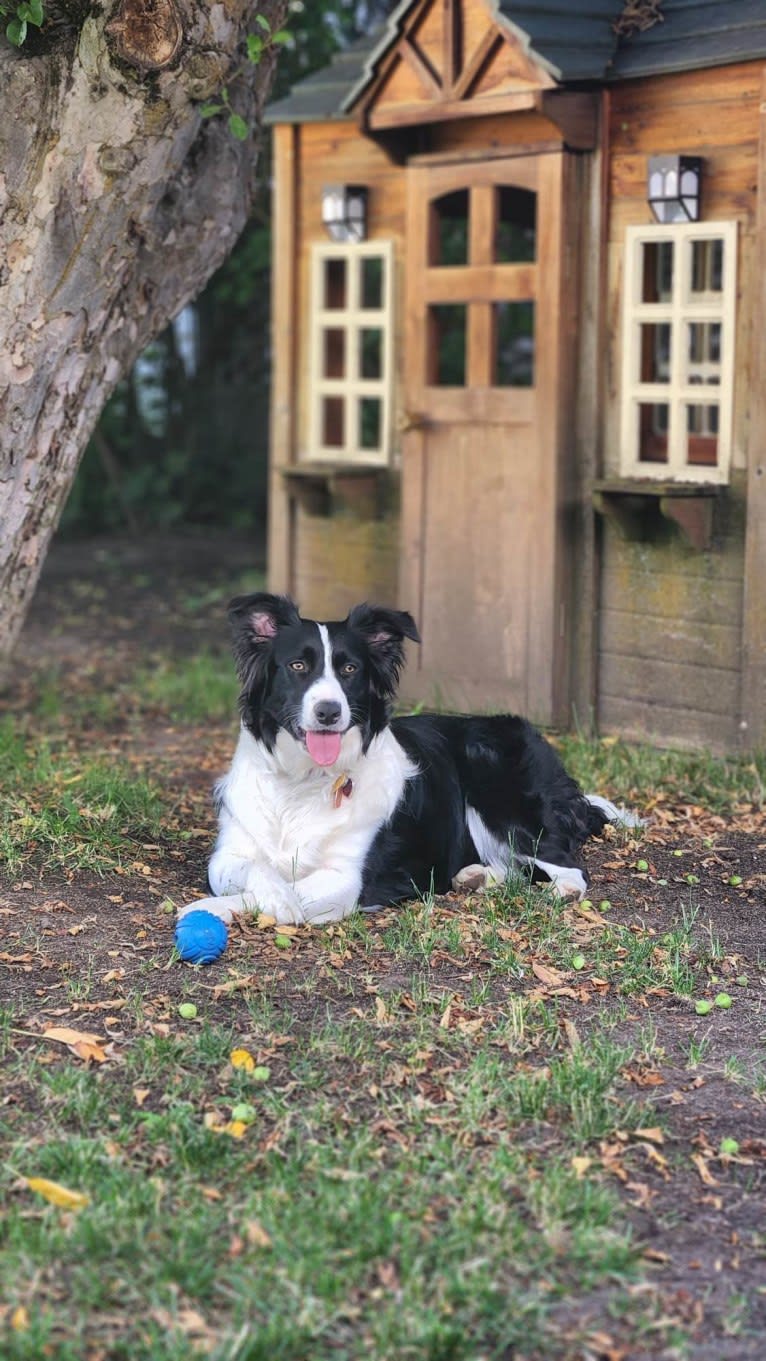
<point>238,127</point>
<point>282,37</point>
<point>263,22</point>
<point>210,110</point>
<point>16,31</point>
<point>254,48</point>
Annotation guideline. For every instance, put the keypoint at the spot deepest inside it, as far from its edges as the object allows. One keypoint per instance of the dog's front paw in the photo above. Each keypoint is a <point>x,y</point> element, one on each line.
<point>224,908</point>
<point>277,900</point>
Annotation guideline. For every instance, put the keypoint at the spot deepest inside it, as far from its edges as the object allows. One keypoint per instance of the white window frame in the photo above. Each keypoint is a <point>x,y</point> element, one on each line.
<point>677,312</point>
<point>351,319</point>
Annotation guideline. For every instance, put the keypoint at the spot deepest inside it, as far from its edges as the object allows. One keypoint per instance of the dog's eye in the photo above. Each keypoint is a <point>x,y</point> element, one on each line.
<point>297,666</point>
<point>348,669</point>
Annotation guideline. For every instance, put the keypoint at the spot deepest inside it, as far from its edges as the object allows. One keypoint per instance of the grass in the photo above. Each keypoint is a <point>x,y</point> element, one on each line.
<point>195,690</point>
<point>315,1234</point>
<point>63,811</point>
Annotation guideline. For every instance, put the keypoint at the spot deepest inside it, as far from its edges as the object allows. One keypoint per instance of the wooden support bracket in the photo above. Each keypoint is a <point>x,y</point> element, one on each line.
<point>636,507</point>
<point>328,488</point>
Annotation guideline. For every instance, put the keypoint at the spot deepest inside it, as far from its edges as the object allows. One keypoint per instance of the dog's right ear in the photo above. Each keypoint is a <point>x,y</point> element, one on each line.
<point>255,621</point>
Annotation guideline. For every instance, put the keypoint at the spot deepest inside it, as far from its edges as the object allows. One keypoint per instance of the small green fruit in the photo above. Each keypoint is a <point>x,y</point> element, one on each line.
<point>187,1011</point>
<point>578,961</point>
<point>261,1074</point>
<point>703,1007</point>
<point>282,942</point>
<point>642,866</point>
<point>586,902</point>
<point>692,878</point>
<point>728,1147</point>
<point>722,999</point>
<point>604,905</point>
<point>735,879</point>
<point>742,981</point>
<point>244,1112</point>
<point>677,852</point>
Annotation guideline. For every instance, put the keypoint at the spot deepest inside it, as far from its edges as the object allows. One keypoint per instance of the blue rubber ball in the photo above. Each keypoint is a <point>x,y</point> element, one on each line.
<point>200,937</point>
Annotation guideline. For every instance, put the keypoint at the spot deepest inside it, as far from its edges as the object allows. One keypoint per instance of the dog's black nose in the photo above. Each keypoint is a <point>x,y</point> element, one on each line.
<point>327,712</point>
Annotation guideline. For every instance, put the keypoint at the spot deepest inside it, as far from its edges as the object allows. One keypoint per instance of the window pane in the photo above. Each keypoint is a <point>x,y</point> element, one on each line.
<point>655,353</point>
<point>371,291</point>
<point>653,424</point>
<point>515,225</point>
<point>657,273</point>
<point>704,352</point>
<point>447,344</point>
<point>333,422</point>
<point>334,364</point>
<point>514,327</point>
<point>702,434</point>
<point>334,284</point>
<point>449,229</point>
<point>370,352</point>
<point>369,423</point>
<point>707,267</point>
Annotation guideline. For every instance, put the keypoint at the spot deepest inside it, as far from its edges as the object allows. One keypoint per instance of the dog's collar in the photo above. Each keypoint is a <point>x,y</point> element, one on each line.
<point>342,788</point>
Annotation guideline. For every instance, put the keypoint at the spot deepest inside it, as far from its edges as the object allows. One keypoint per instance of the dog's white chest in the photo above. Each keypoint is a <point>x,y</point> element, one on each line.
<point>298,820</point>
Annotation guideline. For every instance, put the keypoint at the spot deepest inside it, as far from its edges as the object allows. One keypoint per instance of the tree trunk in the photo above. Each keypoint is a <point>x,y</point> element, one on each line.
<point>117,202</point>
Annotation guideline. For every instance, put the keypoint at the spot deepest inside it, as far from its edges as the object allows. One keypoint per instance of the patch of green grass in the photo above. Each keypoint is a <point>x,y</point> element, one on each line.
<point>73,813</point>
<point>628,770</point>
<point>192,689</point>
<point>405,1213</point>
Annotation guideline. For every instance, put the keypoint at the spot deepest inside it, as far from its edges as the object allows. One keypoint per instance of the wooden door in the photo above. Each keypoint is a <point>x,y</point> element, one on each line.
<point>485,408</point>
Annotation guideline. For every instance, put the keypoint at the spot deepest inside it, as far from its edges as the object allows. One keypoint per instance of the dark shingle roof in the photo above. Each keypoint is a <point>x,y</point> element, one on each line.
<point>572,46</point>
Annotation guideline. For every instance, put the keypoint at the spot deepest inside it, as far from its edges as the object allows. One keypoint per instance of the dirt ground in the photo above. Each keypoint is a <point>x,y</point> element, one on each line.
<point>104,609</point>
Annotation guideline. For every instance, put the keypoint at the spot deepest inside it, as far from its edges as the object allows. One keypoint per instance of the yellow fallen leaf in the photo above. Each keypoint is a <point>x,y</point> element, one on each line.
<point>57,1194</point>
<point>381,1011</point>
<point>242,1058</point>
<point>235,1129</point>
<point>550,977</point>
<point>20,1319</point>
<point>580,1166</point>
<point>653,1133</point>
<point>705,1175</point>
<point>256,1235</point>
<point>83,1043</point>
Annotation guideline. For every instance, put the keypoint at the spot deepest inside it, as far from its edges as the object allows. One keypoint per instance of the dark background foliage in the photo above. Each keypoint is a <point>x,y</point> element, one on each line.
<point>184,439</point>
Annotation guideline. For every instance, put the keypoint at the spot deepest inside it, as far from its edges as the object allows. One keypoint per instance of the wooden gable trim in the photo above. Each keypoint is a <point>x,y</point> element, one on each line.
<point>452,88</point>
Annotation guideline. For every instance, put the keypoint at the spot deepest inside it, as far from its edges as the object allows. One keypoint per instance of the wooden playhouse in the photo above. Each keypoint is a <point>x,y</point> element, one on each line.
<point>519,301</point>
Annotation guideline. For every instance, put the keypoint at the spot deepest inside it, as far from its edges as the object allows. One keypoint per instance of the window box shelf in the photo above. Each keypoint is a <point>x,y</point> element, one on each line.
<point>326,488</point>
<point>635,506</point>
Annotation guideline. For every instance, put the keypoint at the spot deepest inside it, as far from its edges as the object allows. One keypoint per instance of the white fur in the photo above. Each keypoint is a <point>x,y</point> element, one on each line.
<point>283,846</point>
<point>615,812</point>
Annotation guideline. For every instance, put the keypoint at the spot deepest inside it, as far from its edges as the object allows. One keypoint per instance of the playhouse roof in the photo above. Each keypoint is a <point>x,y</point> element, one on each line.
<point>572,47</point>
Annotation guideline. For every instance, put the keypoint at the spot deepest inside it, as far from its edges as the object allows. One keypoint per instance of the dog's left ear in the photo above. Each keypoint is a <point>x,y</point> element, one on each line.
<point>384,632</point>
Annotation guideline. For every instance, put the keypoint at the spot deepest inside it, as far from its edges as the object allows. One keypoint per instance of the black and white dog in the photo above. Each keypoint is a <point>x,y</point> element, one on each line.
<point>330,805</point>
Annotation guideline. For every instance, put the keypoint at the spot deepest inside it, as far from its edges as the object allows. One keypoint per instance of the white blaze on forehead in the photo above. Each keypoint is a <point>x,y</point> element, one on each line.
<point>327,687</point>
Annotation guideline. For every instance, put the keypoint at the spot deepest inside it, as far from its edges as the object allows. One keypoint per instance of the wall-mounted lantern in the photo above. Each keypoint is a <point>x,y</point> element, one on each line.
<point>344,211</point>
<point>673,190</point>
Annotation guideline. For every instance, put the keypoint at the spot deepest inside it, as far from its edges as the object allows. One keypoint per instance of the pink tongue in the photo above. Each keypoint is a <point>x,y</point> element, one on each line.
<point>323,747</point>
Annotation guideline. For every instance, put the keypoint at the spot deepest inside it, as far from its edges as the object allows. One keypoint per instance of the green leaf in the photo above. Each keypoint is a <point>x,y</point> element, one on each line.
<point>16,31</point>
<point>282,37</point>
<point>210,110</point>
<point>238,127</point>
<point>263,22</point>
<point>254,48</point>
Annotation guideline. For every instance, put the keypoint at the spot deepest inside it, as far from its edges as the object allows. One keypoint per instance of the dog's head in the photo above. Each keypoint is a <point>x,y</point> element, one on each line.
<point>316,681</point>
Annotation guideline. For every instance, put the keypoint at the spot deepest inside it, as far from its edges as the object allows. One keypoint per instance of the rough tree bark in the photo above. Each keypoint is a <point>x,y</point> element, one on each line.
<point>117,202</point>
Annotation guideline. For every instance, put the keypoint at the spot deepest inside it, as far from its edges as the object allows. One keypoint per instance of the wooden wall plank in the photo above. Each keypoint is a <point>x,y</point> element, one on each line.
<point>677,685</point>
<point>664,725</point>
<point>753,716</point>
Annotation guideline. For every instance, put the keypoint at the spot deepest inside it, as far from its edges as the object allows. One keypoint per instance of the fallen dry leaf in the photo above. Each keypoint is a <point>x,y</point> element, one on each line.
<point>57,1195</point>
